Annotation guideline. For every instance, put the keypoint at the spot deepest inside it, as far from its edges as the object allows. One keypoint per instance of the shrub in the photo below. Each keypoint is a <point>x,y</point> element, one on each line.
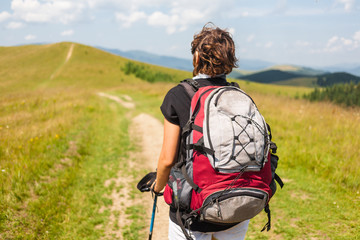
<point>144,73</point>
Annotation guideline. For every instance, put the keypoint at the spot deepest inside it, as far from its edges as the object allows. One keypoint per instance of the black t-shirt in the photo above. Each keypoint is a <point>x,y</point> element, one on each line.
<point>176,109</point>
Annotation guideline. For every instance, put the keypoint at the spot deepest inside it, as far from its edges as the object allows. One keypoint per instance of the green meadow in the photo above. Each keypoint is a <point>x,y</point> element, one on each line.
<point>60,141</point>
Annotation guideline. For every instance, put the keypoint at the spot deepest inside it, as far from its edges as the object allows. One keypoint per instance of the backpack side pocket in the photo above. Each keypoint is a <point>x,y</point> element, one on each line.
<point>179,189</point>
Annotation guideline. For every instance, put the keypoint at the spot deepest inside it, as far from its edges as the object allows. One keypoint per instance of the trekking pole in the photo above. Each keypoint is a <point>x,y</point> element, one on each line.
<point>153,217</point>
<point>145,186</point>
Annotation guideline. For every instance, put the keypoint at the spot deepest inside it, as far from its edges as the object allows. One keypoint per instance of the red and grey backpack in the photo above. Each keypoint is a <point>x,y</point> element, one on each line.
<point>225,172</point>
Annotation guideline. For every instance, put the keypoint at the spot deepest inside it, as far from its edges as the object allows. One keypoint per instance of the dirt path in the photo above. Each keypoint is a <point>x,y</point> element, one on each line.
<point>124,100</point>
<point>148,133</point>
<point>68,56</point>
<point>69,53</point>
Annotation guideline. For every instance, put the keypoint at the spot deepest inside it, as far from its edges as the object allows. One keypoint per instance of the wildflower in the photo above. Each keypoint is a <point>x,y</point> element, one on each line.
<point>31,140</point>
<point>3,170</point>
<point>56,136</point>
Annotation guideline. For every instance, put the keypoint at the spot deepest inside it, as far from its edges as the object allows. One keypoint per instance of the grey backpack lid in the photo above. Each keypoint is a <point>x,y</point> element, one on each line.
<point>235,130</point>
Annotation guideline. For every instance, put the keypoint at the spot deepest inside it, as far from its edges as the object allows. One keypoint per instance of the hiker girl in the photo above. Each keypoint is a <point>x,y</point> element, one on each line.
<point>213,53</point>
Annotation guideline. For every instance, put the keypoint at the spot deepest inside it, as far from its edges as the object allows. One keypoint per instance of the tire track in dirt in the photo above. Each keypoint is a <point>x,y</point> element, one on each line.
<point>147,132</point>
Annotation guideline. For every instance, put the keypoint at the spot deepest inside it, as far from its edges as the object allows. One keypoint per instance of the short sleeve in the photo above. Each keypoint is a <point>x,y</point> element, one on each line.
<point>176,106</point>
<point>168,108</point>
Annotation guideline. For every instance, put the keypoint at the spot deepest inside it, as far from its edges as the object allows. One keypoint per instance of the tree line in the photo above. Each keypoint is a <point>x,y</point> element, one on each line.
<point>345,94</point>
<point>145,73</point>
<point>330,79</point>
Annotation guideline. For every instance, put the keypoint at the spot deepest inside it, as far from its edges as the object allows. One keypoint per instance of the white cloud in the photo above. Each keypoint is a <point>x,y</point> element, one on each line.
<point>15,25</point>
<point>332,41</point>
<point>177,20</point>
<point>348,4</point>
<point>346,42</point>
<point>30,37</point>
<point>244,14</point>
<point>301,43</point>
<point>41,11</point>
<point>357,36</point>
<point>268,44</point>
<point>161,19</point>
<point>250,38</point>
<point>337,44</point>
<point>4,16</point>
<point>231,31</point>
<point>128,20</point>
<point>67,32</point>
<point>177,16</point>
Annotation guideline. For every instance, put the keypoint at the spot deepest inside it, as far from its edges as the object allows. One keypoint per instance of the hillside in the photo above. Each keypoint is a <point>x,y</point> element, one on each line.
<point>42,66</point>
<point>297,70</point>
<point>298,76</point>
<point>271,76</point>
<point>71,153</point>
<point>336,78</point>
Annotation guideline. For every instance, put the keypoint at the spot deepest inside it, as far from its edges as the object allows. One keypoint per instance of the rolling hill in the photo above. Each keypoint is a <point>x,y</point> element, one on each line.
<point>297,70</point>
<point>65,150</point>
<point>271,76</point>
<point>336,78</point>
<point>299,76</point>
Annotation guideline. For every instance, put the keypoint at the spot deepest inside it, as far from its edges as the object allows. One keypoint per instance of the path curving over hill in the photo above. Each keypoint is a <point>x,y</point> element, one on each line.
<point>68,57</point>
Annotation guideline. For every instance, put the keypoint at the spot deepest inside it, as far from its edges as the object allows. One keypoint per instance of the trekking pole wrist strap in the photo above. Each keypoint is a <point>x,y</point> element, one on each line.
<point>152,189</point>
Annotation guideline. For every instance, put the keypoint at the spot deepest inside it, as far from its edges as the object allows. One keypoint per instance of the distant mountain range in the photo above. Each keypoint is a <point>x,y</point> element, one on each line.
<point>245,64</point>
<point>300,78</point>
<point>142,56</point>
<point>257,70</point>
<point>349,68</point>
<point>180,63</point>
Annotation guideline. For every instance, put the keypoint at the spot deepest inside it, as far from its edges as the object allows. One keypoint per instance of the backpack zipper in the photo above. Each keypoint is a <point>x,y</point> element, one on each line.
<point>256,193</point>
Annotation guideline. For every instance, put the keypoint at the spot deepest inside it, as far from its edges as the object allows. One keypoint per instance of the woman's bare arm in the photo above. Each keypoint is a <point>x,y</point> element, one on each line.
<point>168,154</point>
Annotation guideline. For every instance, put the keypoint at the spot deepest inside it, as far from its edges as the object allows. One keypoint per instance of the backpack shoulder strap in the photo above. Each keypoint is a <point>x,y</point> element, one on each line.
<point>191,86</point>
<point>234,84</point>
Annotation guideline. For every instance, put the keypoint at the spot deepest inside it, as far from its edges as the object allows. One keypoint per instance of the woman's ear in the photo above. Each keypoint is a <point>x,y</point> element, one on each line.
<point>196,58</point>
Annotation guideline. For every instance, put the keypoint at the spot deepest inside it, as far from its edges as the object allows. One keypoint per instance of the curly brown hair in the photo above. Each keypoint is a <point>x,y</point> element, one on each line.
<point>215,49</point>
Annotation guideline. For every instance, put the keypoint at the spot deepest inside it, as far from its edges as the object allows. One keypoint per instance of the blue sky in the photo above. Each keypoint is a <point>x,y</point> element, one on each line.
<point>309,32</point>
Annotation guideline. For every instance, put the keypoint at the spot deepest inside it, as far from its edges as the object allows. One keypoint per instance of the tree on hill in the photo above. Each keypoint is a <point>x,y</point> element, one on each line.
<point>347,94</point>
<point>145,73</point>
<point>336,78</point>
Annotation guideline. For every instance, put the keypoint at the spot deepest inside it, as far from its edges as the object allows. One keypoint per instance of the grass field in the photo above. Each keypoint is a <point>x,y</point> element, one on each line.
<point>59,143</point>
